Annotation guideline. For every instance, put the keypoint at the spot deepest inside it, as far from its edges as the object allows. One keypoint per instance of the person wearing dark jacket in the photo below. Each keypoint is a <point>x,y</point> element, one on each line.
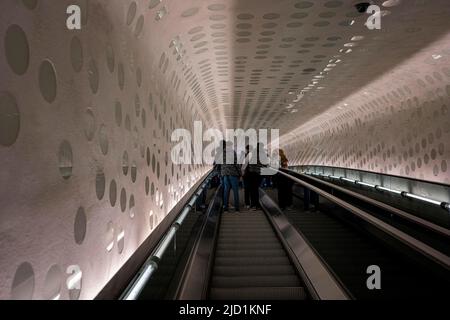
<point>245,177</point>
<point>255,161</point>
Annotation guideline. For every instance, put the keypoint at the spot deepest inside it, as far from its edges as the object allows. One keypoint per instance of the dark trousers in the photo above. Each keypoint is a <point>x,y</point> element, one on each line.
<point>310,197</point>
<point>247,189</point>
<point>254,182</point>
<point>284,186</point>
<point>231,183</point>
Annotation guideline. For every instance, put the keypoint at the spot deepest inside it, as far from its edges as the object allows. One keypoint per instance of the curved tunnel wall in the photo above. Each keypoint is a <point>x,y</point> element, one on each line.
<point>85,123</point>
<point>399,124</point>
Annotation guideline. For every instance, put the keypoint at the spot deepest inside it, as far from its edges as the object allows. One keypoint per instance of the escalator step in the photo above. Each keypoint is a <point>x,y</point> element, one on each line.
<point>250,253</point>
<point>262,242</point>
<point>248,246</point>
<point>272,293</point>
<point>255,281</point>
<point>253,270</point>
<point>221,261</point>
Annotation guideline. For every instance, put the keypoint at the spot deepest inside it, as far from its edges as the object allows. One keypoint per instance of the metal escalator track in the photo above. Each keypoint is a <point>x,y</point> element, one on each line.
<point>348,252</point>
<point>349,244</point>
<point>250,262</point>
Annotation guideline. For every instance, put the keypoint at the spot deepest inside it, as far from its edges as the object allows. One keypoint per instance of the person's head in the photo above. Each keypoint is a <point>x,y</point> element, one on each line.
<point>247,148</point>
<point>281,153</point>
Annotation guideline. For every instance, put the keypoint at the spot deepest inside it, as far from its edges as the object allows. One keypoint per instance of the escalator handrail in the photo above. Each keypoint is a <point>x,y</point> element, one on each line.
<point>400,213</point>
<point>151,264</point>
<point>417,245</point>
<point>318,277</point>
<point>197,272</point>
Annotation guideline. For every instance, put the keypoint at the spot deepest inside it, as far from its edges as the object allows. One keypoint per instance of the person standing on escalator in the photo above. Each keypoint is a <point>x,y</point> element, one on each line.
<point>246,176</point>
<point>231,172</point>
<point>257,160</point>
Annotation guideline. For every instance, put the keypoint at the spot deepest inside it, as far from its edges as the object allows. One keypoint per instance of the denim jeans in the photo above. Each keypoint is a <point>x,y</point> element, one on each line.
<point>231,182</point>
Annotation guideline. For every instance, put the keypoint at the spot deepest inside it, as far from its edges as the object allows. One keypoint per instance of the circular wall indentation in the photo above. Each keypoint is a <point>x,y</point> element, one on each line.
<point>190,12</point>
<point>127,123</point>
<point>147,185</point>
<point>139,77</point>
<point>121,76</point>
<point>22,287</point>
<point>131,12</point>
<point>89,124</point>
<point>132,206</point>
<point>47,81</point>
<point>123,200</point>
<point>144,118</point>
<point>118,113</point>
<point>76,54</point>
<point>9,119</point>
<point>52,284</point>
<point>65,158</point>
<point>125,163</point>
<point>103,139</point>
<point>153,163</point>
<point>80,226</point>
<point>17,51</point>
<point>100,184</point>
<point>139,26</point>
<point>304,5</point>
<point>148,157</point>
<point>93,76</point>
<point>137,105</point>
<point>153,3</point>
<point>133,172</point>
<point>113,193</point>
<point>110,59</point>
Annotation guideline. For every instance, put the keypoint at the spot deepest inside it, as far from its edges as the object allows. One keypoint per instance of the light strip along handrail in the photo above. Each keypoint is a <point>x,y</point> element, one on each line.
<point>133,291</point>
<point>424,249</point>
<point>443,204</point>
<point>417,220</point>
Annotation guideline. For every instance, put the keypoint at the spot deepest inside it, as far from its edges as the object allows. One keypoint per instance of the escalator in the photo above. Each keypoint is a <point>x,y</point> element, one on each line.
<point>250,262</point>
<point>216,255</point>
<point>298,254</point>
<point>349,245</point>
